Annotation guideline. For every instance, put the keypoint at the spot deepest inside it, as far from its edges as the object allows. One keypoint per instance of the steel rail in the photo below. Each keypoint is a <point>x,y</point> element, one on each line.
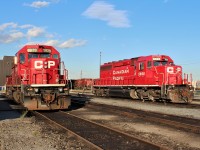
<point>192,105</point>
<point>187,124</point>
<point>120,133</point>
<point>100,135</point>
<point>91,145</point>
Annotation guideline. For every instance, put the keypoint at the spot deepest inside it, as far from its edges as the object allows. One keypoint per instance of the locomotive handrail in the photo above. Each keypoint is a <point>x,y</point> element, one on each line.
<point>155,68</point>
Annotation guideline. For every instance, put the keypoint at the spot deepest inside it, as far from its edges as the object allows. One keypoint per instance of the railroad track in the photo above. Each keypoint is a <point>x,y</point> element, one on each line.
<point>96,135</point>
<point>84,98</point>
<point>178,122</point>
<point>192,105</point>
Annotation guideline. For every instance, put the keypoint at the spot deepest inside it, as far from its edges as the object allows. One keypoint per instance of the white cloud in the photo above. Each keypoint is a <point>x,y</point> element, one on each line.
<point>107,12</point>
<point>41,4</point>
<point>7,25</point>
<point>38,4</point>
<point>16,36</point>
<point>30,34</point>
<point>12,37</point>
<point>64,45</point>
<point>51,42</point>
<point>30,43</point>
<point>11,32</point>
<point>35,32</point>
<point>26,26</point>
<point>72,43</point>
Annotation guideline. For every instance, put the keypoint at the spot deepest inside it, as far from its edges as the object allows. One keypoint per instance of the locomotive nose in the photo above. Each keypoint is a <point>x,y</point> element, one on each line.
<point>174,75</point>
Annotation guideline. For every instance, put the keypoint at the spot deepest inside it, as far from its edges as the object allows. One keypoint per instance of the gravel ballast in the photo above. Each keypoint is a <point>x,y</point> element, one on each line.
<point>166,109</point>
<point>28,134</point>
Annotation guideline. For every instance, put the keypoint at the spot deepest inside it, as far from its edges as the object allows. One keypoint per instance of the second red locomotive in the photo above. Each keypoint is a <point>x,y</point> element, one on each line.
<point>153,77</point>
<point>39,79</point>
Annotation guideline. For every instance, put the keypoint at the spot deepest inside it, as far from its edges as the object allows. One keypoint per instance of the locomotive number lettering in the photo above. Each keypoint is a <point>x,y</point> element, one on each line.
<point>156,58</point>
<point>39,64</point>
<point>141,74</point>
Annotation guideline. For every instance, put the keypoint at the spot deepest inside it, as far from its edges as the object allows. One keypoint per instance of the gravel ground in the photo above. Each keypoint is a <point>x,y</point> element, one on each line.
<point>28,134</point>
<point>170,138</point>
<point>186,112</point>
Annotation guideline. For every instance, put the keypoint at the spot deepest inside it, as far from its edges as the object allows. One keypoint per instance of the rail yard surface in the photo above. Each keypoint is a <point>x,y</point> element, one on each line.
<point>33,132</point>
<point>27,133</point>
<point>172,136</point>
<point>133,84</point>
<point>30,133</point>
<point>162,108</point>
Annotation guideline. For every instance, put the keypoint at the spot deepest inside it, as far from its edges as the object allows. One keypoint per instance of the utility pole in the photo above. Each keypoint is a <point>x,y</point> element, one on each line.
<point>81,74</point>
<point>100,64</point>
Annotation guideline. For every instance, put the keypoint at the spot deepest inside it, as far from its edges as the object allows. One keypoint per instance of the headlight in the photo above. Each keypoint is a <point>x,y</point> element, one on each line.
<point>36,90</point>
<point>60,89</point>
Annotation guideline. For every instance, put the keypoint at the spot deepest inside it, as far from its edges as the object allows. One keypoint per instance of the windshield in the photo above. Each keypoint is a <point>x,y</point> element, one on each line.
<point>31,55</point>
<point>37,55</point>
<point>160,63</point>
<point>44,55</point>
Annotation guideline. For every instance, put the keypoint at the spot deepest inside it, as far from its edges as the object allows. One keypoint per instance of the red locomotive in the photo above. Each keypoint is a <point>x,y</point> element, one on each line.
<point>153,77</point>
<point>38,79</point>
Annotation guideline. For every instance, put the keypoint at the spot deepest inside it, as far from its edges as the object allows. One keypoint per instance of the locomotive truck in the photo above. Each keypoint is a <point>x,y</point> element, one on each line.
<point>38,79</point>
<point>153,77</point>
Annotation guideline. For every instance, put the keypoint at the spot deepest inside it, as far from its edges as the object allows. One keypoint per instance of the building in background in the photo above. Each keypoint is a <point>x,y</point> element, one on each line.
<point>6,65</point>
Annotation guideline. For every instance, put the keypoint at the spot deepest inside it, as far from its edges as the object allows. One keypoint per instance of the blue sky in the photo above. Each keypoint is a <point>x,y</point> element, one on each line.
<point>80,30</point>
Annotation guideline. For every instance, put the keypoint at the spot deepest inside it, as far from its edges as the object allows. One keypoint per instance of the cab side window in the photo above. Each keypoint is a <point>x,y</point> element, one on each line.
<point>141,66</point>
<point>55,56</point>
<point>149,64</point>
<point>22,58</point>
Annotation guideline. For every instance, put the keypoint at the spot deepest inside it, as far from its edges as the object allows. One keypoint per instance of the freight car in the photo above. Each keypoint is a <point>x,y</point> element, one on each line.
<point>38,79</point>
<point>153,77</point>
<point>197,85</point>
<point>81,84</point>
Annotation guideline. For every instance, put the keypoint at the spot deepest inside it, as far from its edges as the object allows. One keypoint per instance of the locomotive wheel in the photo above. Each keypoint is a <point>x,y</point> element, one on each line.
<point>133,94</point>
<point>150,97</point>
<point>140,95</point>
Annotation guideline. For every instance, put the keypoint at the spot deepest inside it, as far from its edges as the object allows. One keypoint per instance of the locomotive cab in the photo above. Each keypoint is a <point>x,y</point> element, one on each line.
<point>160,72</point>
<point>165,71</point>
